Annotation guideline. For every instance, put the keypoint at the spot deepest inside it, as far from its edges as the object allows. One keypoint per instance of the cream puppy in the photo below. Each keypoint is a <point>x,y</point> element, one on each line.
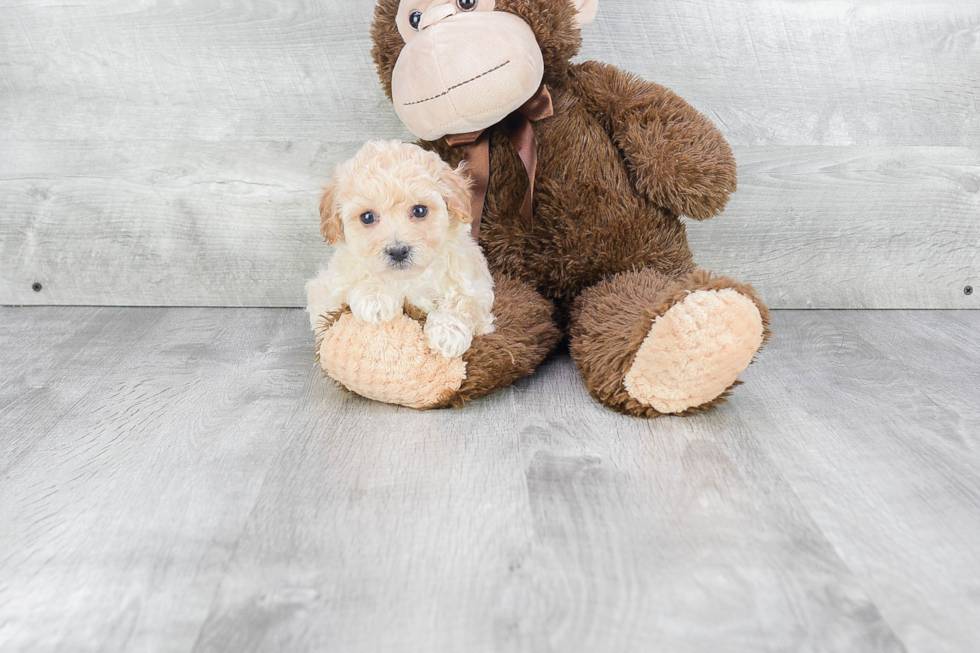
<point>399,217</point>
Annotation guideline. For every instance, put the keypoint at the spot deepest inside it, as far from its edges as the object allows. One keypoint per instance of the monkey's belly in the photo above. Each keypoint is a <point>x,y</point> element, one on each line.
<point>589,221</point>
<point>570,248</point>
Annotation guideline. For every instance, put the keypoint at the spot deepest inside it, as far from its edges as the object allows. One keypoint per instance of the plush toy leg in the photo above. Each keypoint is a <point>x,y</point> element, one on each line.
<point>649,345</point>
<point>393,363</point>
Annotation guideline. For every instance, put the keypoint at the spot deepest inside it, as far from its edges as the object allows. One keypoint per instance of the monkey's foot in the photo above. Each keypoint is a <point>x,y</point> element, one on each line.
<point>394,362</point>
<point>391,362</point>
<point>695,351</point>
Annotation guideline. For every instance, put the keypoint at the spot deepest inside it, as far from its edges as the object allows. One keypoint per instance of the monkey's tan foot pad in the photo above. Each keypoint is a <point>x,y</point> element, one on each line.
<point>695,351</point>
<point>391,362</point>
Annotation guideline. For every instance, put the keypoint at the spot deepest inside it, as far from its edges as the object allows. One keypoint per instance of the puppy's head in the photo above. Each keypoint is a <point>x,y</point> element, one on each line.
<point>395,206</point>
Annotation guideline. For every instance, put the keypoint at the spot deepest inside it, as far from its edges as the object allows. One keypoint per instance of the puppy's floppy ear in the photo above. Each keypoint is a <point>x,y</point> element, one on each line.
<point>587,9</point>
<point>457,191</point>
<point>331,225</point>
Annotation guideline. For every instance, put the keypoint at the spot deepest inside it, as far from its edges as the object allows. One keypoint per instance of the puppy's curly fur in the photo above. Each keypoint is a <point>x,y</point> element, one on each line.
<point>399,218</point>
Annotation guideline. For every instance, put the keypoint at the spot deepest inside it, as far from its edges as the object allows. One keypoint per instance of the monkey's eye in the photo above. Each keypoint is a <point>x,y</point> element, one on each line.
<point>420,212</point>
<point>414,19</point>
<point>467,5</point>
<point>368,218</point>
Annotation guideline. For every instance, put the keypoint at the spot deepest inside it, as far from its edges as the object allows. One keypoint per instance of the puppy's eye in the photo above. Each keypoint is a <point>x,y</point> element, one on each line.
<point>368,218</point>
<point>420,212</point>
<point>414,19</point>
<point>467,5</point>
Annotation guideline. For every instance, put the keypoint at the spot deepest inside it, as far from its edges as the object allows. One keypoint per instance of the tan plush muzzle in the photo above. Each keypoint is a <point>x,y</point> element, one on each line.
<point>466,72</point>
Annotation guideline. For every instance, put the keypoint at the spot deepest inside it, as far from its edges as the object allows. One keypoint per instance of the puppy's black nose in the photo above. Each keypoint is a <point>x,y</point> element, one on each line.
<point>398,253</point>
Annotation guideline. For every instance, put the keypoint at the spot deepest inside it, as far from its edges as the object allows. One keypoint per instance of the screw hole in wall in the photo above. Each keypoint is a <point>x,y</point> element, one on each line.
<point>968,291</point>
<point>37,287</point>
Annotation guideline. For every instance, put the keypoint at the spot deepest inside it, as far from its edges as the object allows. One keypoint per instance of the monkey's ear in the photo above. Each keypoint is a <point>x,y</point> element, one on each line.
<point>587,10</point>
<point>331,225</point>
<point>457,191</point>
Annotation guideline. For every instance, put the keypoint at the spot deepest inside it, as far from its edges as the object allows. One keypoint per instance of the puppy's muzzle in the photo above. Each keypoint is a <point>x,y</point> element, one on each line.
<point>399,254</point>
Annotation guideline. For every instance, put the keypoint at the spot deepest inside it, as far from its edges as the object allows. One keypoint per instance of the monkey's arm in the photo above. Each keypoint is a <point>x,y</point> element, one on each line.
<point>676,157</point>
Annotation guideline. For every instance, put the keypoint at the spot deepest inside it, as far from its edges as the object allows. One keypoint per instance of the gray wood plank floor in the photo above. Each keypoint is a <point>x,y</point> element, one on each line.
<point>182,480</point>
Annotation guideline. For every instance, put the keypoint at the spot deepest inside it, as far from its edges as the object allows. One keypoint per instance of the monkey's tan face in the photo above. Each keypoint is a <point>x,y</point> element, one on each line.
<point>464,67</point>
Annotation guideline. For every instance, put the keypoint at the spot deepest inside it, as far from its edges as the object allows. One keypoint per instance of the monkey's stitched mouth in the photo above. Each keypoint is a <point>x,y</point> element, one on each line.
<point>453,88</point>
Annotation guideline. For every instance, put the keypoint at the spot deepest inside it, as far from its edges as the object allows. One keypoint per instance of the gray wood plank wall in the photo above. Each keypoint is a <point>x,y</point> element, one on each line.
<point>170,153</point>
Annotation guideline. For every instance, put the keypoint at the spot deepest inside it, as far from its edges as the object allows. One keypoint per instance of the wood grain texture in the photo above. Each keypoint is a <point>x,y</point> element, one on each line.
<point>165,223</point>
<point>811,72</point>
<point>879,72</point>
<point>892,476</point>
<point>140,224</point>
<point>169,153</point>
<point>182,480</point>
<point>851,227</point>
<point>132,448</point>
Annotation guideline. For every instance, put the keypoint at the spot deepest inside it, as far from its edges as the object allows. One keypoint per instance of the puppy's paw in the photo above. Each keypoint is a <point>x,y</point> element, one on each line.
<point>448,335</point>
<point>375,308</point>
<point>486,329</point>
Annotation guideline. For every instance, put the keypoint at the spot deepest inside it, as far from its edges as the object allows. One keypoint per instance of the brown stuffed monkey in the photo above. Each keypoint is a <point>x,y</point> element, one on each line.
<point>597,251</point>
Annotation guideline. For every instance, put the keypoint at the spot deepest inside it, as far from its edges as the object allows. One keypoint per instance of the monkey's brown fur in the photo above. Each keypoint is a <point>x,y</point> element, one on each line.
<point>619,162</point>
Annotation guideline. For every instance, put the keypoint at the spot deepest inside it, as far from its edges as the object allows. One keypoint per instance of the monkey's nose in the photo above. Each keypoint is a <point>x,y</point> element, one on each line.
<point>436,14</point>
<point>399,253</point>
